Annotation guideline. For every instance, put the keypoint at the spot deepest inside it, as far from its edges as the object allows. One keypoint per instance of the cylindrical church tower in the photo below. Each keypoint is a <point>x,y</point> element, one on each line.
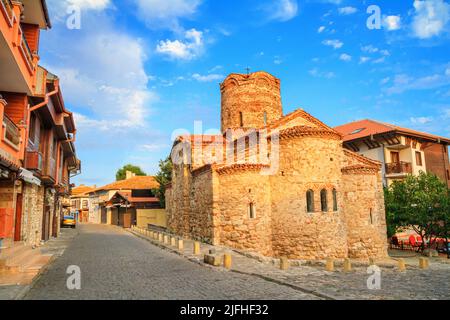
<point>250,101</point>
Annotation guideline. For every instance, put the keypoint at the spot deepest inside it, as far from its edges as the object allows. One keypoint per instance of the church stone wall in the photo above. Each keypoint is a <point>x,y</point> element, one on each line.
<point>238,229</point>
<point>308,163</point>
<point>365,215</point>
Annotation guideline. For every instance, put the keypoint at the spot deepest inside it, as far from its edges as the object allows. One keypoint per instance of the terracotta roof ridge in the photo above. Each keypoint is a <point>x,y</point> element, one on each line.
<point>365,160</point>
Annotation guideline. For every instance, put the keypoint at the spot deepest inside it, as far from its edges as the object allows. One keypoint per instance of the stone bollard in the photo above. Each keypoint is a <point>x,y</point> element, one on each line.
<point>166,239</point>
<point>212,260</point>
<point>227,261</point>
<point>284,263</point>
<point>160,237</point>
<point>401,265</point>
<point>196,247</point>
<point>180,245</point>
<point>347,265</point>
<point>424,263</point>
<point>330,265</point>
<point>173,241</point>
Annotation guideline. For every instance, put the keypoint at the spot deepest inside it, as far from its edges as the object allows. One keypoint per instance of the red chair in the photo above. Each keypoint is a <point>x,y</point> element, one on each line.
<point>413,243</point>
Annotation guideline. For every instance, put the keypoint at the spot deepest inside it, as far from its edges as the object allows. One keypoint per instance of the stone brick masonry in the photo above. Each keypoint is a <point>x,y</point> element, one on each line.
<point>235,205</point>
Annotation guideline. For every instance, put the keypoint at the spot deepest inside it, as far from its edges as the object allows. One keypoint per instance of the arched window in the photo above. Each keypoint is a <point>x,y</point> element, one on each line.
<point>335,204</point>
<point>310,201</point>
<point>241,119</point>
<point>251,210</point>
<point>265,118</point>
<point>371,216</point>
<point>323,200</point>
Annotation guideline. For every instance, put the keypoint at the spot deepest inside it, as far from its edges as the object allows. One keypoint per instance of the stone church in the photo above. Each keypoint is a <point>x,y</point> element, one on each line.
<point>315,199</point>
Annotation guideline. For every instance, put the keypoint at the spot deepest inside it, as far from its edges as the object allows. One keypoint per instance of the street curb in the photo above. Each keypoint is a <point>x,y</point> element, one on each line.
<point>200,262</point>
<point>28,287</point>
<point>43,270</point>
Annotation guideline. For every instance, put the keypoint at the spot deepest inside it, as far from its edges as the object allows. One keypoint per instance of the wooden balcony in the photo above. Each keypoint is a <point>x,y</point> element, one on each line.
<point>49,173</point>
<point>11,133</point>
<point>34,161</point>
<point>399,168</point>
<point>19,62</point>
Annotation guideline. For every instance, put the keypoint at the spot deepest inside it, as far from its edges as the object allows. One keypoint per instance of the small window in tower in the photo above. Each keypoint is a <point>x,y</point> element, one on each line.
<point>265,118</point>
<point>371,216</point>
<point>335,205</point>
<point>323,200</point>
<point>251,210</point>
<point>241,119</point>
<point>310,201</point>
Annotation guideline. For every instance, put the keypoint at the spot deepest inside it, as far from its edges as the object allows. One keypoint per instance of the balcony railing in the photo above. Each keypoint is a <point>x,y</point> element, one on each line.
<point>7,9</point>
<point>11,133</point>
<point>34,161</point>
<point>399,168</point>
<point>26,51</point>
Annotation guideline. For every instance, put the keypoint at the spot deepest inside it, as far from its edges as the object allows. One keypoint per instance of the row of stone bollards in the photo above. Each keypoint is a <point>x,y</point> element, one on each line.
<point>211,258</point>
<point>226,260</point>
<point>424,263</point>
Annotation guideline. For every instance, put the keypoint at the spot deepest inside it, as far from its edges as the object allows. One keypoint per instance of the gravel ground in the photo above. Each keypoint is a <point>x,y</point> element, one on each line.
<point>117,265</point>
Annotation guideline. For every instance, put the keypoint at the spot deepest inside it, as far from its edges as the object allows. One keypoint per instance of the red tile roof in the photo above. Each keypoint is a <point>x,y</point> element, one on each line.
<point>364,128</point>
<point>81,189</point>
<point>134,183</point>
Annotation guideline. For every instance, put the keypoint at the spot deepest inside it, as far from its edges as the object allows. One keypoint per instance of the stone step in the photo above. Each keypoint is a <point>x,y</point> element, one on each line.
<point>22,257</point>
<point>17,279</point>
<point>36,264</point>
<point>11,251</point>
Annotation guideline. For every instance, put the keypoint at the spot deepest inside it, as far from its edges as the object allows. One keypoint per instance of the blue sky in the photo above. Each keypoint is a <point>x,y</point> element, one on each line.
<point>137,70</point>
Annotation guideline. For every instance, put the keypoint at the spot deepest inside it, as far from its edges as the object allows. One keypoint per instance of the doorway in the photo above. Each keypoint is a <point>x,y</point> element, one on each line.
<point>395,157</point>
<point>18,221</point>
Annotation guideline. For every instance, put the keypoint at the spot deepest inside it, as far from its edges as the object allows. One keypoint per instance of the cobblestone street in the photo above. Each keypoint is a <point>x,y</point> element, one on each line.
<point>117,265</point>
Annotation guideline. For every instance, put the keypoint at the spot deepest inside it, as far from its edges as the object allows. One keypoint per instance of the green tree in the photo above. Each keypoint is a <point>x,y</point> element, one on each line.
<point>122,172</point>
<point>164,176</point>
<point>418,202</point>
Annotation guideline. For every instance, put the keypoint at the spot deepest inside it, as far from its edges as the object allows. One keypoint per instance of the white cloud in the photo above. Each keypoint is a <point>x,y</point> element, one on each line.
<point>364,59</point>
<point>319,74</point>
<point>282,10</point>
<point>189,48</point>
<point>379,60</point>
<point>90,4</point>
<point>345,57</point>
<point>385,80</point>
<point>392,23</point>
<point>277,60</point>
<point>321,29</point>
<point>430,19</point>
<point>347,10</point>
<point>403,82</point>
<point>370,49</point>
<point>165,13</point>
<point>336,44</point>
<point>447,72</point>
<point>421,120</point>
<point>207,78</point>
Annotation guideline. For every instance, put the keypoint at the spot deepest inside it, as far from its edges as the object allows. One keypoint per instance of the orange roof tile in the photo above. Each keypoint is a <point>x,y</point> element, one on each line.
<point>364,128</point>
<point>81,189</point>
<point>134,183</point>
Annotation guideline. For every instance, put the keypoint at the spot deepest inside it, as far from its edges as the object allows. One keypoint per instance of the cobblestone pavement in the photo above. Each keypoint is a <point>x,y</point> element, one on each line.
<point>117,265</point>
<point>414,283</point>
<point>55,247</point>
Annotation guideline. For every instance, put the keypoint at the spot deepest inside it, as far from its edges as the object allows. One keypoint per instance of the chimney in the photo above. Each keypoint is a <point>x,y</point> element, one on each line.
<point>130,175</point>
